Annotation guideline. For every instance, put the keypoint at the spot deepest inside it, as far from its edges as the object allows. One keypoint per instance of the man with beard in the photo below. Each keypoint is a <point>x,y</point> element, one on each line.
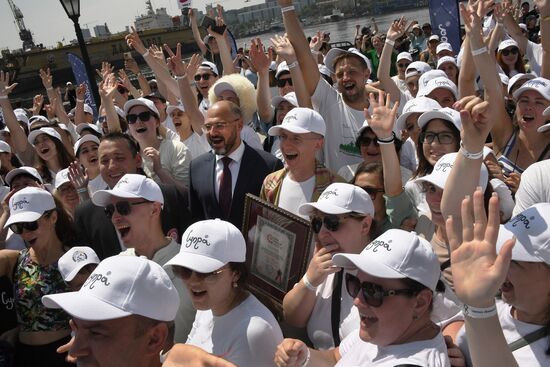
<point>342,109</point>
<point>219,180</point>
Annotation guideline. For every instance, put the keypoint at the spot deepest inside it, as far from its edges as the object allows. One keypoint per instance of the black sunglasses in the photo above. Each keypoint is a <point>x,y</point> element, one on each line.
<point>372,191</point>
<point>403,65</point>
<point>282,82</point>
<point>102,119</point>
<point>331,222</point>
<point>508,51</point>
<point>18,228</point>
<point>198,77</point>
<point>366,141</point>
<point>122,207</point>
<point>373,294</point>
<point>185,273</point>
<point>143,116</point>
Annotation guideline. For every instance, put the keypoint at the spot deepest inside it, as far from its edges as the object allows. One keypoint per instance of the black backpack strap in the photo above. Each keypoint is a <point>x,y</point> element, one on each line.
<point>445,264</point>
<point>336,306</point>
<point>407,365</point>
<point>529,338</point>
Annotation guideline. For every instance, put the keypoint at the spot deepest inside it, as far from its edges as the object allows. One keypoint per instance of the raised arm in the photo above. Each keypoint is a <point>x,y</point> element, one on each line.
<point>298,39</point>
<point>223,46</point>
<point>284,48</point>
<point>478,273</point>
<point>182,72</point>
<point>261,62</point>
<point>195,30</point>
<point>512,27</point>
<point>467,75</point>
<point>544,9</point>
<point>396,30</point>
<point>106,90</point>
<point>18,137</point>
<point>131,64</point>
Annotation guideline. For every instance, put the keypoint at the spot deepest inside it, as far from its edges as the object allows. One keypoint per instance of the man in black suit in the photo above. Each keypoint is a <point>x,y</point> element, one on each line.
<point>220,181</point>
<point>119,155</point>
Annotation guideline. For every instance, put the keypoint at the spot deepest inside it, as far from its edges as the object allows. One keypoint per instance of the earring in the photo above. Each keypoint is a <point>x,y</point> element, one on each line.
<point>235,285</point>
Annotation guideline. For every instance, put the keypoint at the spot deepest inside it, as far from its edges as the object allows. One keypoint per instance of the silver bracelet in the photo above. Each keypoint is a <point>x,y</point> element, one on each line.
<point>469,155</point>
<point>479,313</point>
<point>308,357</point>
<point>287,8</point>
<point>308,284</point>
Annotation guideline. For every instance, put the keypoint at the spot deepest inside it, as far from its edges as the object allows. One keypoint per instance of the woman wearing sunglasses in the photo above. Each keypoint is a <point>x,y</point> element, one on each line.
<point>230,322</point>
<point>392,283</point>
<point>509,58</point>
<point>165,160</point>
<point>341,220</point>
<point>48,232</point>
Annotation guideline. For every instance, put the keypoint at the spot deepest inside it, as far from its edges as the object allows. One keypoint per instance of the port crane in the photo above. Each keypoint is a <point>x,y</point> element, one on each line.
<point>24,34</point>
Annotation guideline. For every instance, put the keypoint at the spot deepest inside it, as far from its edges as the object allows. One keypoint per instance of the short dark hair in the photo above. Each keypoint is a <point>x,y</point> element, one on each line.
<point>349,55</point>
<point>132,144</point>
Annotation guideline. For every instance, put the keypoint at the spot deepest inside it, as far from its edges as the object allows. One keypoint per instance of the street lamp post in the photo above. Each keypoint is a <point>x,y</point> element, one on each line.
<point>72,8</point>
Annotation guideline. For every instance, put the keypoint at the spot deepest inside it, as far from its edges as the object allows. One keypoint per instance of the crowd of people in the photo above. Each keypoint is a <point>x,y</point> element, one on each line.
<point>422,170</point>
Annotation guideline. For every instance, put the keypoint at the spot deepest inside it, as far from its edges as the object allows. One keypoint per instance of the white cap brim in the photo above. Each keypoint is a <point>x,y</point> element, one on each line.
<point>366,265</point>
<point>519,253</point>
<point>324,207</point>
<point>23,217</point>
<point>195,262</point>
<point>84,306</point>
<point>276,130</point>
<point>544,128</point>
<point>103,197</point>
<point>77,268</point>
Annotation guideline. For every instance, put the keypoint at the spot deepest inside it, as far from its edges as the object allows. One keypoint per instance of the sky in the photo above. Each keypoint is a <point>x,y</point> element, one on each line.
<point>49,23</point>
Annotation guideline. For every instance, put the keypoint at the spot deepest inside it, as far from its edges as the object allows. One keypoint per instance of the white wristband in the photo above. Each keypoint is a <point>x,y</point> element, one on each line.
<point>479,51</point>
<point>308,357</point>
<point>80,100</point>
<point>145,54</point>
<point>470,155</point>
<point>308,284</point>
<point>479,313</point>
<point>287,8</point>
<point>3,97</point>
<point>181,77</point>
<point>390,42</point>
<point>293,65</point>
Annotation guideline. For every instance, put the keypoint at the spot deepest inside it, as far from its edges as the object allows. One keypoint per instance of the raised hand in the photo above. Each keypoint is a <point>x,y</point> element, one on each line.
<point>133,41</point>
<point>382,119</point>
<point>131,65</point>
<point>106,69</point>
<point>81,91</point>
<point>476,123</point>
<point>50,108</point>
<point>472,21</point>
<point>543,7</point>
<point>5,86</point>
<point>284,48</point>
<point>290,353</point>
<point>37,103</point>
<point>47,79</point>
<point>260,60</point>
<point>108,86</point>
<point>478,271</point>
<point>124,79</point>
<point>77,175</point>
<point>316,41</point>
<point>397,28</point>
<point>175,63</point>
<point>193,64</point>
<point>157,53</point>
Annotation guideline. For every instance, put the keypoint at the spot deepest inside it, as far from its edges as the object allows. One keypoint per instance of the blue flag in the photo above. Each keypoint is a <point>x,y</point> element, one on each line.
<point>445,21</point>
<point>80,76</point>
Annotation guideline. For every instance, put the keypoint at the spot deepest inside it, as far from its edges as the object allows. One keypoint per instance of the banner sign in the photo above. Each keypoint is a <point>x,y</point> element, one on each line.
<point>445,21</point>
<point>80,76</point>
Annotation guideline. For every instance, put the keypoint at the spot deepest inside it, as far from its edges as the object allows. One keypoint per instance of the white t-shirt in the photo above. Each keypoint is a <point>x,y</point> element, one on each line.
<point>533,53</point>
<point>293,194</point>
<point>319,327</point>
<point>249,136</point>
<point>408,157</point>
<point>429,353</point>
<point>534,187</point>
<point>343,124</point>
<point>174,157</point>
<point>401,84</point>
<point>197,144</point>
<point>247,335</point>
<point>96,184</point>
<point>530,355</point>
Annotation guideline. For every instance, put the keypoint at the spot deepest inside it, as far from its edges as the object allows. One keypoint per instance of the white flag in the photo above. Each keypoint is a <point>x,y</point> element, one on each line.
<point>184,3</point>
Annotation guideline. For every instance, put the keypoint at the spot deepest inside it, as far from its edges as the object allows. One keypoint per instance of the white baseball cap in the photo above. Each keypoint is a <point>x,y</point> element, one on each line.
<point>210,66</point>
<point>443,46</point>
<point>324,70</point>
<point>147,103</point>
<point>447,114</point>
<point>300,120</point>
<point>281,68</point>
<point>516,78</point>
<point>404,56</point>
<point>546,126</point>
<point>415,105</point>
<point>29,204</point>
<point>174,107</point>
<point>436,83</point>
<point>541,85</point>
<point>396,254</point>
<point>433,37</point>
<point>75,259</point>
<point>21,117</point>
<point>429,75</point>
<point>221,87</point>
<point>208,245</point>
<point>289,97</point>
<point>340,198</point>
<point>121,286</point>
<point>507,43</point>
<point>4,147</point>
<point>532,233</point>
<point>442,170</point>
<point>130,186</point>
<point>25,170</point>
<point>445,59</point>
<point>43,130</point>
<point>61,178</point>
<point>92,127</point>
<point>333,53</point>
<point>504,78</point>
<point>37,118</point>
<point>523,26</point>
<point>88,109</point>
<point>417,68</point>
<point>85,139</point>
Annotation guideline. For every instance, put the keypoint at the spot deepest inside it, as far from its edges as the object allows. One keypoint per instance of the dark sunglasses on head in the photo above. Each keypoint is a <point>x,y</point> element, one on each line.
<point>366,141</point>
<point>198,77</point>
<point>508,51</point>
<point>185,273</point>
<point>372,294</point>
<point>331,222</point>
<point>122,207</point>
<point>282,82</point>
<point>143,116</point>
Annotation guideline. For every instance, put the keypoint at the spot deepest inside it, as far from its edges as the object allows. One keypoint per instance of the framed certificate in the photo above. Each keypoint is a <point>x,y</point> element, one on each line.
<point>277,250</point>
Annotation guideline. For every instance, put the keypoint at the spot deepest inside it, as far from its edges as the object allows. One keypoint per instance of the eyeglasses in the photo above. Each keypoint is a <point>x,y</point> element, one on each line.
<point>218,125</point>
<point>198,77</point>
<point>185,274</point>
<point>442,138</point>
<point>18,228</point>
<point>403,65</point>
<point>143,116</point>
<point>366,141</point>
<point>122,207</point>
<point>508,51</point>
<point>102,119</point>
<point>282,82</point>
<point>331,222</point>
<point>373,294</point>
<point>372,191</point>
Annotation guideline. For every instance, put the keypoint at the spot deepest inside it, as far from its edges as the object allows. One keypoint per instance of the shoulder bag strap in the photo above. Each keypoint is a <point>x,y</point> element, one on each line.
<point>335,307</point>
